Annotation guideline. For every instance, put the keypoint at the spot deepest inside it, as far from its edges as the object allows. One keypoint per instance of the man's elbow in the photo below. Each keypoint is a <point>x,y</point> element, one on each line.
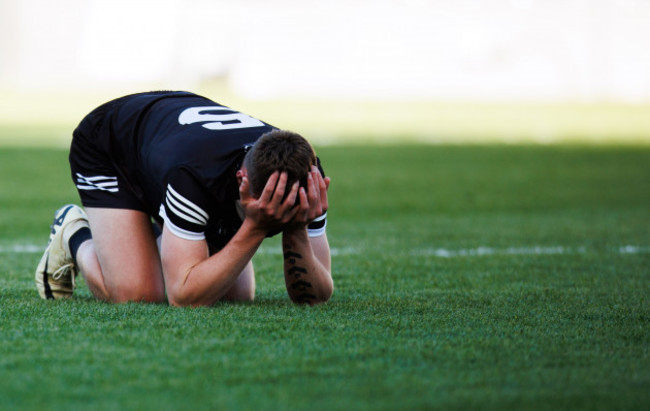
<point>313,297</point>
<point>323,298</point>
<point>181,298</point>
<point>176,300</point>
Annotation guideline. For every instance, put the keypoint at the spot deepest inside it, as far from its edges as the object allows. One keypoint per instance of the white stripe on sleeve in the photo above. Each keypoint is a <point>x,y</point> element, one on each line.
<point>176,230</point>
<point>185,208</point>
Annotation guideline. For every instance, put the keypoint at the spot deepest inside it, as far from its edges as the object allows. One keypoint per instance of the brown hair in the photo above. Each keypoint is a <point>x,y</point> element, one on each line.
<point>279,150</point>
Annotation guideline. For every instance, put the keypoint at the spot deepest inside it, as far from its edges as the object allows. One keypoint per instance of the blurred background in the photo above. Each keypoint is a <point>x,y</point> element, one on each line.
<point>340,71</point>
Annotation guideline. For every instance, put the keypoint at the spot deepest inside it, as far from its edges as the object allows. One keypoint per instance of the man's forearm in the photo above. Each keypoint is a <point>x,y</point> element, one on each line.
<point>210,278</point>
<point>307,267</point>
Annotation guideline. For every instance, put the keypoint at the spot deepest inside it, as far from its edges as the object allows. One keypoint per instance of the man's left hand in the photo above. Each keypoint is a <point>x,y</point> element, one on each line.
<point>313,200</point>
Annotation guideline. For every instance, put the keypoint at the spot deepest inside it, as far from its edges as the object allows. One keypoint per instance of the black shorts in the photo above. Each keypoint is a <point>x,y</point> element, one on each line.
<point>93,170</point>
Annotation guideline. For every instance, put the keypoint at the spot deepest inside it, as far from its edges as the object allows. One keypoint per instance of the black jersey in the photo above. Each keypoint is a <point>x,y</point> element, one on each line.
<point>178,153</point>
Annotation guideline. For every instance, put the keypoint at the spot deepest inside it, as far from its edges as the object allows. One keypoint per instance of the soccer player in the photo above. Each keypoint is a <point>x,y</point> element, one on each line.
<point>215,181</point>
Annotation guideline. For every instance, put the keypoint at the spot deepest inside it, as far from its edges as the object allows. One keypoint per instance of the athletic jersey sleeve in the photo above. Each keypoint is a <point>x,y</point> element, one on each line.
<point>183,209</point>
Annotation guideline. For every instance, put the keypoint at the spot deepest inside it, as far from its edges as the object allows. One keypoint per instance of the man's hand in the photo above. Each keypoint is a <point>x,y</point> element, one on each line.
<point>269,212</point>
<point>313,201</point>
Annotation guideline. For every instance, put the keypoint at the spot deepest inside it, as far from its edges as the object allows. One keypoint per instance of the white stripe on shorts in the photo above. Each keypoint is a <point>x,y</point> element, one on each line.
<point>103,183</point>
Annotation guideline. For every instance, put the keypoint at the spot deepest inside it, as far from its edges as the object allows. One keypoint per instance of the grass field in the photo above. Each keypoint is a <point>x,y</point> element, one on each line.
<point>467,277</point>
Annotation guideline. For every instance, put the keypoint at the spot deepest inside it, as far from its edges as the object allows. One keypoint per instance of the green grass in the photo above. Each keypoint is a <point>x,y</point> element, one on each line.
<point>467,277</point>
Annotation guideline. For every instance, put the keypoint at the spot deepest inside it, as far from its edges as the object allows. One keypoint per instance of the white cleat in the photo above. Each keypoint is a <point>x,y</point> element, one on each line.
<point>56,272</point>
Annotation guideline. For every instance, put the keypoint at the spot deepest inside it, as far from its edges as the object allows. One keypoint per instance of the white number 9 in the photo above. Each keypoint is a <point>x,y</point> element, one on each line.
<point>218,121</point>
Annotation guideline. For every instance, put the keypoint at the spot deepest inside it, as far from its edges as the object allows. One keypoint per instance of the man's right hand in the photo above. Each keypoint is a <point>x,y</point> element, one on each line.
<point>269,212</point>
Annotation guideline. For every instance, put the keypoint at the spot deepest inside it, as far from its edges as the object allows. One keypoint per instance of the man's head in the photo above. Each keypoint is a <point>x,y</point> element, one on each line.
<point>278,150</point>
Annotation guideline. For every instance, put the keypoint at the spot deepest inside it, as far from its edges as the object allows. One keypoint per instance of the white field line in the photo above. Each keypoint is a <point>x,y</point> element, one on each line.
<point>482,251</point>
<point>421,252</point>
<point>532,250</point>
<point>21,248</point>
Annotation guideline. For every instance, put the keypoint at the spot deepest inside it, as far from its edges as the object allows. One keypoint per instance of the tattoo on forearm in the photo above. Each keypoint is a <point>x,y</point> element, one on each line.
<point>297,274</point>
<point>291,256</point>
<point>300,285</point>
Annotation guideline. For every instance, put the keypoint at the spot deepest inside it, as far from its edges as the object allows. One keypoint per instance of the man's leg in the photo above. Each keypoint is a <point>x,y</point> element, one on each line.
<point>244,287</point>
<point>121,262</point>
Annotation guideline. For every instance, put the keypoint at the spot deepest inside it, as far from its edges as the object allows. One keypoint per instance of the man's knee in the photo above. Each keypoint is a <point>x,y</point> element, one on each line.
<point>240,294</point>
<point>244,287</point>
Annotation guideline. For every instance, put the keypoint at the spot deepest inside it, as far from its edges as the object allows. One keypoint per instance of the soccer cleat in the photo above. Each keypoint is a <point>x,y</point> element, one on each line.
<point>56,272</point>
